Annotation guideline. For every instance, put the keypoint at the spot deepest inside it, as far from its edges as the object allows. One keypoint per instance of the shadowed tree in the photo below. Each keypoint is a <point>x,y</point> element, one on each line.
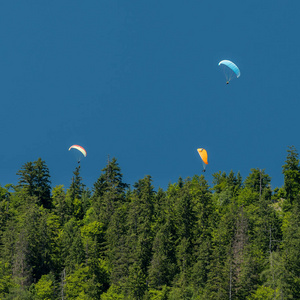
<point>290,248</point>
<point>111,178</point>
<point>108,192</point>
<point>291,172</point>
<point>257,180</point>
<point>34,178</point>
<point>74,195</point>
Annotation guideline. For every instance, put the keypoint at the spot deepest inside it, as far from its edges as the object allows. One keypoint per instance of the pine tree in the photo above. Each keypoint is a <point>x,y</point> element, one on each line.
<point>111,178</point>
<point>35,181</point>
<point>291,172</point>
<point>202,232</point>
<point>5,199</point>
<point>118,251</point>
<point>27,244</point>
<point>60,204</point>
<point>45,288</point>
<point>290,248</point>
<point>163,263</point>
<point>238,257</point>
<point>71,246</point>
<point>77,187</point>
<point>220,264</point>
<point>257,180</point>
<point>140,235</point>
<point>108,192</point>
<point>27,178</point>
<point>185,221</point>
<point>163,266</point>
<point>42,183</point>
<point>74,195</point>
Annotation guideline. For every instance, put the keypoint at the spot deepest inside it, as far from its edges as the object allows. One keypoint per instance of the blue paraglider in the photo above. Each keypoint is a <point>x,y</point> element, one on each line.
<point>230,69</point>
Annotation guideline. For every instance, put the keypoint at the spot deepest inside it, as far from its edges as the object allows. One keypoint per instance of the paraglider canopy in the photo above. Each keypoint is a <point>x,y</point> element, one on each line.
<point>203,154</point>
<point>81,150</point>
<point>230,70</point>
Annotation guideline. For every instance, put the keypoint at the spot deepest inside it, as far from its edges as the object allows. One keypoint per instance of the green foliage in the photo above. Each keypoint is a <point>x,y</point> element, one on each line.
<point>71,245</point>
<point>108,192</point>
<point>264,293</point>
<point>158,294</point>
<point>74,194</point>
<point>60,205</point>
<point>18,293</point>
<point>184,292</point>
<point>111,178</point>
<point>163,264</point>
<point>136,284</point>
<point>44,288</point>
<point>78,284</point>
<point>233,240</point>
<point>113,293</point>
<point>291,172</point>
<point>257,181</point>
<point>5,279</point>
<point>290,252</point>
<point>34,179</point>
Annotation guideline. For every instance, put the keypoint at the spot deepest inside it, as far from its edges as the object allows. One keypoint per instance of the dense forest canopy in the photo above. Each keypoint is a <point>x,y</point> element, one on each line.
<point>236,239</point>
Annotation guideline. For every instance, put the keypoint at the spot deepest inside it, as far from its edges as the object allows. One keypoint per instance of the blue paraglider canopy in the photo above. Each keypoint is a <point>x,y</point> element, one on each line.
<point>230,69</point>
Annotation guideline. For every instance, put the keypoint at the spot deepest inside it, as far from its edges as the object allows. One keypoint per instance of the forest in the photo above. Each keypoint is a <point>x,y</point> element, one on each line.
<point>236,239</point>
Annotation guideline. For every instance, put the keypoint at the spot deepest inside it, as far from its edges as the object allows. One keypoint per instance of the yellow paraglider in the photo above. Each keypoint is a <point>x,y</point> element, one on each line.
<point>203,154</point>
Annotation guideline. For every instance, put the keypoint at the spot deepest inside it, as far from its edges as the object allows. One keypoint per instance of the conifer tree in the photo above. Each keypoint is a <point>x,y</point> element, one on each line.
<point>27,178</point>
<point>140,216</point>
<point>5,199</point>
<point>42,183</point>
<point>108,192</point>
<point>220,265</point>
<point>291,172</point>
<point>204,210</point>
<point>45,288</point>
<point>71,245</point>
<point>140,234</point>
<point>74,195</point>
<point>60,204</point>
<point>291,258</point>
<point>118,251</point>
<point>257,180</point>
<point>111,178</point>
<point>235,240</point>
<point>185,221</point>
<point>27,245</point>
<point>163,266</point>
<point>77,187</point>
<point>163,263</point>
<point>34,178</point>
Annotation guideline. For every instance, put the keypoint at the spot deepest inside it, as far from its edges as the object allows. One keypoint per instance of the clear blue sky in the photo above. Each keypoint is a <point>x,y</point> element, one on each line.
<point>139,81</point>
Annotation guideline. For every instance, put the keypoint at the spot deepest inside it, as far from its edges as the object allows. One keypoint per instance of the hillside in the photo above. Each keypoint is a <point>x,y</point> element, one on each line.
<point>237,239</point>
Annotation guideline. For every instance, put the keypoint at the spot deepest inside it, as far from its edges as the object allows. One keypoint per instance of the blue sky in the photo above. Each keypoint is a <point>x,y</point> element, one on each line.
<point>139,81</point>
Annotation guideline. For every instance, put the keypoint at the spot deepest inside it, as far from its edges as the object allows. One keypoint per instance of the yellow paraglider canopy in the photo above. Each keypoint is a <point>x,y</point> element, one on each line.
<point>203,154</point>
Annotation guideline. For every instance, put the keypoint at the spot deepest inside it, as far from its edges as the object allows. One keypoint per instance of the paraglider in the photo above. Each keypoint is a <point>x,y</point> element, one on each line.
<point>203,154</point>
<point>79,154</point>
<point>230,70</point>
